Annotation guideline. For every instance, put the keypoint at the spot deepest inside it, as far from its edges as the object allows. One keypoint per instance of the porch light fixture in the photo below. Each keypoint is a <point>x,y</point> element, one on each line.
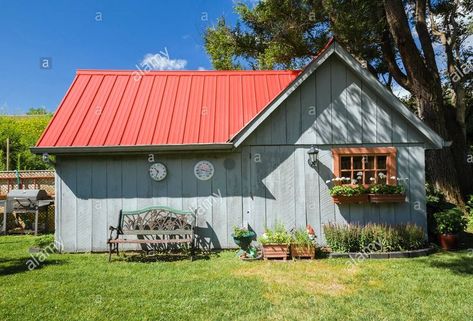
<point>313,156</point>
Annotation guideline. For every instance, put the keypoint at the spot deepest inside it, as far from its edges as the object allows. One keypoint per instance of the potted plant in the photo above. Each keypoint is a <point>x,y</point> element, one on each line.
<point>275,242</point>
<point>348,193</point>
<point>387,193</point>
<point>449,224</point>
<point>243,236</point>
<point>303,243</point>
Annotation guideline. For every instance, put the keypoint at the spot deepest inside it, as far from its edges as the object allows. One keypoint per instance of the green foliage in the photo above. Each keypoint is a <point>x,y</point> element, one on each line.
<point>301,237</point>
<point>37,111</point>
<point>469,208</point>
<point>347,190</point>
<point>277,236</point>
<point>23,132</point>
<point>451,221</point>
<point>44,241</point>
<point>271,35</point>
<point>387,189</point>
<point>239,232</point>
<point>373,238</point>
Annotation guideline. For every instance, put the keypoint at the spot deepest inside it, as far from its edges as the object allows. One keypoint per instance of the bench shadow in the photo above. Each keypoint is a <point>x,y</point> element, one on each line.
<point>161,257</point>
<point>21,265</point>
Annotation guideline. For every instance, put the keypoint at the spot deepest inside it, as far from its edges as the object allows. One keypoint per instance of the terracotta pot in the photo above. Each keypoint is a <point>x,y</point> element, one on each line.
<point>448,241</point>
<point>300,251</point>
<point>387,198</point>
<point>275,251</point>
<point>358,199</point>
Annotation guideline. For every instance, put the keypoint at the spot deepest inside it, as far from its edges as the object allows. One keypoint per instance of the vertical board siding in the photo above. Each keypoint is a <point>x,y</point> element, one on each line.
<point>99,204</point>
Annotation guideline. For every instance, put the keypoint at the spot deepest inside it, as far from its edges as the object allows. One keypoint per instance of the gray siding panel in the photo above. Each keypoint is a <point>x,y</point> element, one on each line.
<point>99,204</point>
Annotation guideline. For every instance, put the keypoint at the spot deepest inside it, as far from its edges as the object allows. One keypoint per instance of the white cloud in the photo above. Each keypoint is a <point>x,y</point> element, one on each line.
<point>201,68</point>
<point>161,61</point>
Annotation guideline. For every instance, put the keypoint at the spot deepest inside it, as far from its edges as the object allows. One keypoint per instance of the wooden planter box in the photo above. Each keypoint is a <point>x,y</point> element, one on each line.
<point>358,199</point>
<point>275,251</point>
<point>387,198</point>
<point>302,251</point>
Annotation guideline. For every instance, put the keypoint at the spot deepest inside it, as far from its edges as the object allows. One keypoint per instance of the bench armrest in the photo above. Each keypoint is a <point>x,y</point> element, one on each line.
<point>116,230</point>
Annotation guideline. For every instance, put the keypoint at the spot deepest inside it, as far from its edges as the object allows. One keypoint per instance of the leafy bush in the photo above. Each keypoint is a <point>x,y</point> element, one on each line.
<point>44,241</point>
<point>239,232</point>
<point>373,238</point>
<point>343,238</point>
<point>302,238</point>
<point>387,189</point>
<point>469,208</point>
<point>277,236</point>
<point>451,221</point>
<point>347,190</point>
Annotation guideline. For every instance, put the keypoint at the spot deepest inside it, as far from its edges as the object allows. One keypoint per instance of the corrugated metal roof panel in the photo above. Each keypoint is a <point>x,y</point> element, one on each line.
<point>125,108</point>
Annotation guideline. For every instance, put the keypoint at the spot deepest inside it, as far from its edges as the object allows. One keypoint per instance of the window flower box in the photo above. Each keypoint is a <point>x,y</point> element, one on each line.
<point>387,190</point>
<point>348,193</point>
<point>355,199</point>
<point>387,198</point>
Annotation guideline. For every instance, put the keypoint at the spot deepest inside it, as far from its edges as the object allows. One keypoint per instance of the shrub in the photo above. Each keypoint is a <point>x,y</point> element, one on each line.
<point>302,238</point>
<point>239,232</point>
<point>343,238</point>
<point>277,236</point>
<point>373,237</point>
<point>451,221</point>
<point>44,241</point>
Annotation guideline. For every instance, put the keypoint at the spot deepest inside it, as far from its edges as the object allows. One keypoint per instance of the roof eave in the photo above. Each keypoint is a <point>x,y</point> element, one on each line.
<point>68,150</point>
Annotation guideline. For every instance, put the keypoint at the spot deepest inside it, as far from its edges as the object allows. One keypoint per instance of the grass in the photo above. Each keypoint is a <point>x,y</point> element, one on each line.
<point>220,287</point>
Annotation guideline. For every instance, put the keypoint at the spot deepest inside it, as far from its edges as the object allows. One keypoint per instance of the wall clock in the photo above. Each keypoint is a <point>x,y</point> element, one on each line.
<point>158,171</point>
<point>204,170</point>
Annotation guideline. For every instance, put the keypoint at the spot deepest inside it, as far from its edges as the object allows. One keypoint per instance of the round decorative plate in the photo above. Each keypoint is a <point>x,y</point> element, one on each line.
<point>158,171</point>
<point>204,170</point>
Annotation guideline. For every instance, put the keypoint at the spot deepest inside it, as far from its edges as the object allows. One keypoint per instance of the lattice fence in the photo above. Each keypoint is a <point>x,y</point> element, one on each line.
<point>27,180</point>
<point>21,223</point>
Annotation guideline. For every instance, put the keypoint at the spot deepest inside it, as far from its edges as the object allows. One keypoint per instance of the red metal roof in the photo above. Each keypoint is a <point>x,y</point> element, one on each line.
<point>130,108</point>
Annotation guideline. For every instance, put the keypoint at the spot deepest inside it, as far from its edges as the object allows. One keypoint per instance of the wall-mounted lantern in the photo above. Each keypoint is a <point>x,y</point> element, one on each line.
<point>313,156</point>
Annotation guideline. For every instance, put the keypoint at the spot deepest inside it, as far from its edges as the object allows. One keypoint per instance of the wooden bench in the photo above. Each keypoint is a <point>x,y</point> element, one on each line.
<point>153,225</point>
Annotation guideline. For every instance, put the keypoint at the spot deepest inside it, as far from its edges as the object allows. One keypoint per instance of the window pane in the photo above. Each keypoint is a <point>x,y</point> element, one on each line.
<point>346,162</point>
<point>368,175</point>
<point>357,162</point>
<point>346,174</point>
<point>369,162</point>
<point>381,162</point>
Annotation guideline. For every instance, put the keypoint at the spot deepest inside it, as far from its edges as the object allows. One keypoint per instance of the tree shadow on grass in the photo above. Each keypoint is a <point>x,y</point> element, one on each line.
<point>21,265</point>
<point>461,264</point>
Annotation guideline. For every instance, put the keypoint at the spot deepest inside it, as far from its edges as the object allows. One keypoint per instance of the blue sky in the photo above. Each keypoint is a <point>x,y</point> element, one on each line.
<point>94,34</point>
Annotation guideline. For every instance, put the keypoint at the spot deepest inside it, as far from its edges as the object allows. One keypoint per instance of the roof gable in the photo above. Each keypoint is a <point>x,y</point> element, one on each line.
<point>431,137</point>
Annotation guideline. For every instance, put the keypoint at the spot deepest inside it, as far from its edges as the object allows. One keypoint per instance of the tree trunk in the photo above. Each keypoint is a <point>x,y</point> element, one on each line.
<point>446,169</point>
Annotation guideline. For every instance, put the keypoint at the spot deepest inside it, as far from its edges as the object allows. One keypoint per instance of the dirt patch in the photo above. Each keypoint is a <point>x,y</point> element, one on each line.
<point>311,277</point>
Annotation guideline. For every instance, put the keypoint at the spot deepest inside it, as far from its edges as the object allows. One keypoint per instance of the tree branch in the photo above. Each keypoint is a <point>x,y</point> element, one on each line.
<point>424,36</point>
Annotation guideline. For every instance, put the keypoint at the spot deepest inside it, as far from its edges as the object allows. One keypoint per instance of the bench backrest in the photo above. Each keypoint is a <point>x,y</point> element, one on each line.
<point>157,220</point>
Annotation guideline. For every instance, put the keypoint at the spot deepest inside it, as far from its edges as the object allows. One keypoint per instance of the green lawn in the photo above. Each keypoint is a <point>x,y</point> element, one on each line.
<point>220,287</point>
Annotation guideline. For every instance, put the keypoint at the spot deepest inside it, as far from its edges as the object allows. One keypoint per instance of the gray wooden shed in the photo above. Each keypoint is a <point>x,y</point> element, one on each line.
<point>234,145</point>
